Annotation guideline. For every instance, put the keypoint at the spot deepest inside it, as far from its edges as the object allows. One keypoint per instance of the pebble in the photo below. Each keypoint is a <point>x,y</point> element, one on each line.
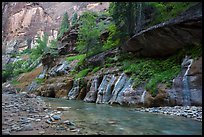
<point>38,120</point>
<point>185,111</point>
<point>67,122</point>
<point>27,127</point>
<point>48,121</point>
<point>56,117</point>
<point>6,132</point>
<point>41,132</point>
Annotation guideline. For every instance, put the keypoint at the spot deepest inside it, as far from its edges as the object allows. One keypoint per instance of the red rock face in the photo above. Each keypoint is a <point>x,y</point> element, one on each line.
<point>24,20</point>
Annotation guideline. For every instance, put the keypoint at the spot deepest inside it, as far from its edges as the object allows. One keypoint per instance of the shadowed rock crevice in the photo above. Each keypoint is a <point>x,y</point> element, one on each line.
<point>166,38</point>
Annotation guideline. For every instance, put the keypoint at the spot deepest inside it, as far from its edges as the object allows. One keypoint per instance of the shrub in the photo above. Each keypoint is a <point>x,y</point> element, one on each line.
<point>15,82</point>
<point>167,10</point>
<point>39,80</point>
<point>113,39</point>
<point>7,72</point>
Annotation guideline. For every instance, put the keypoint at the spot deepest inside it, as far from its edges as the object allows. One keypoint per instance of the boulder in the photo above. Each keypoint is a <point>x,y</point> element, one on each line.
<point>59,69</point>
<point>73,93</point>
<point>91,96</point>
<point>57,87</point>
<point>195,80</point>
<point>98,59</point>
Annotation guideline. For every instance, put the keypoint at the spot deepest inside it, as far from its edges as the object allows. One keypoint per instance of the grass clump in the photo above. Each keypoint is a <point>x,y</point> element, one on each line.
<point>15,82</point>
<point>96,69</point>
<point>80,57</point>
<point>39,80</point>
<point>82,73</point>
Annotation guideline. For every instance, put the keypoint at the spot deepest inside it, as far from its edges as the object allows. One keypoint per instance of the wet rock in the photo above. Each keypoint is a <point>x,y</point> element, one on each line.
<point>91,96</point>
<point>69,123</point>
<point>185,111</point>
<point>59,69</point>
<point>48,121</point>
<point>112,122</point>
<point>56,117</point>
<point>63,108</point>
<point>32,86</point>
<point>73,93</point>
<point>105,88</point>
<point>38,120</point>
<point>122,97</point>
<point>117,88</point>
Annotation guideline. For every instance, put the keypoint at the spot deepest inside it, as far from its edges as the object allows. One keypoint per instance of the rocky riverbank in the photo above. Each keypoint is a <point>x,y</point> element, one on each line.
<point>24,114</point>
<point>185,111</point>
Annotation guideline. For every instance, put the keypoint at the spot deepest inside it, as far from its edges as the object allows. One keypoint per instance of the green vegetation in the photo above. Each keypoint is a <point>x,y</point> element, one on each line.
<point>88,37</point>
<point>129,16</point>
<point>22,66</point>
<point>80,57</point>
<point>15,82</point>
<point>96,69</point>
<point>164,11</point>
<point>39,80</point>
<point>40,48</point>
<point>7,72</point>
<point>64,27</point>
<point>74,19</point>
<point>77,57</point>
<point>108,65</point>
<point>113,40</point>
<point>154,71</point>
<point>82,73</point>
<point>53,43</point>
<point>125,24</point>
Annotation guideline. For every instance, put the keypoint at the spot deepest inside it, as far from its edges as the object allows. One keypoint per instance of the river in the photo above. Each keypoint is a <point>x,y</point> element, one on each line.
<point>105,119</point>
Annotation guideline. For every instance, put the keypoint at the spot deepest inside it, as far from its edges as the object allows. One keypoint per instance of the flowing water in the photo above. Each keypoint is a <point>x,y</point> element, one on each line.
<point>186,90</point>
<point>105,119</point>
<point>142,97</point>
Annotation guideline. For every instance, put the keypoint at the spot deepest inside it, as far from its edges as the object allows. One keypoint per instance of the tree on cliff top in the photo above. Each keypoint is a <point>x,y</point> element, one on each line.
<point>74,18</point>
<point>64,25</point>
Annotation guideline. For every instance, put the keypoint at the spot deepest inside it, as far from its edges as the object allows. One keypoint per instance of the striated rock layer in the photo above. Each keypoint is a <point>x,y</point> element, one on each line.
<point>117,88</point>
